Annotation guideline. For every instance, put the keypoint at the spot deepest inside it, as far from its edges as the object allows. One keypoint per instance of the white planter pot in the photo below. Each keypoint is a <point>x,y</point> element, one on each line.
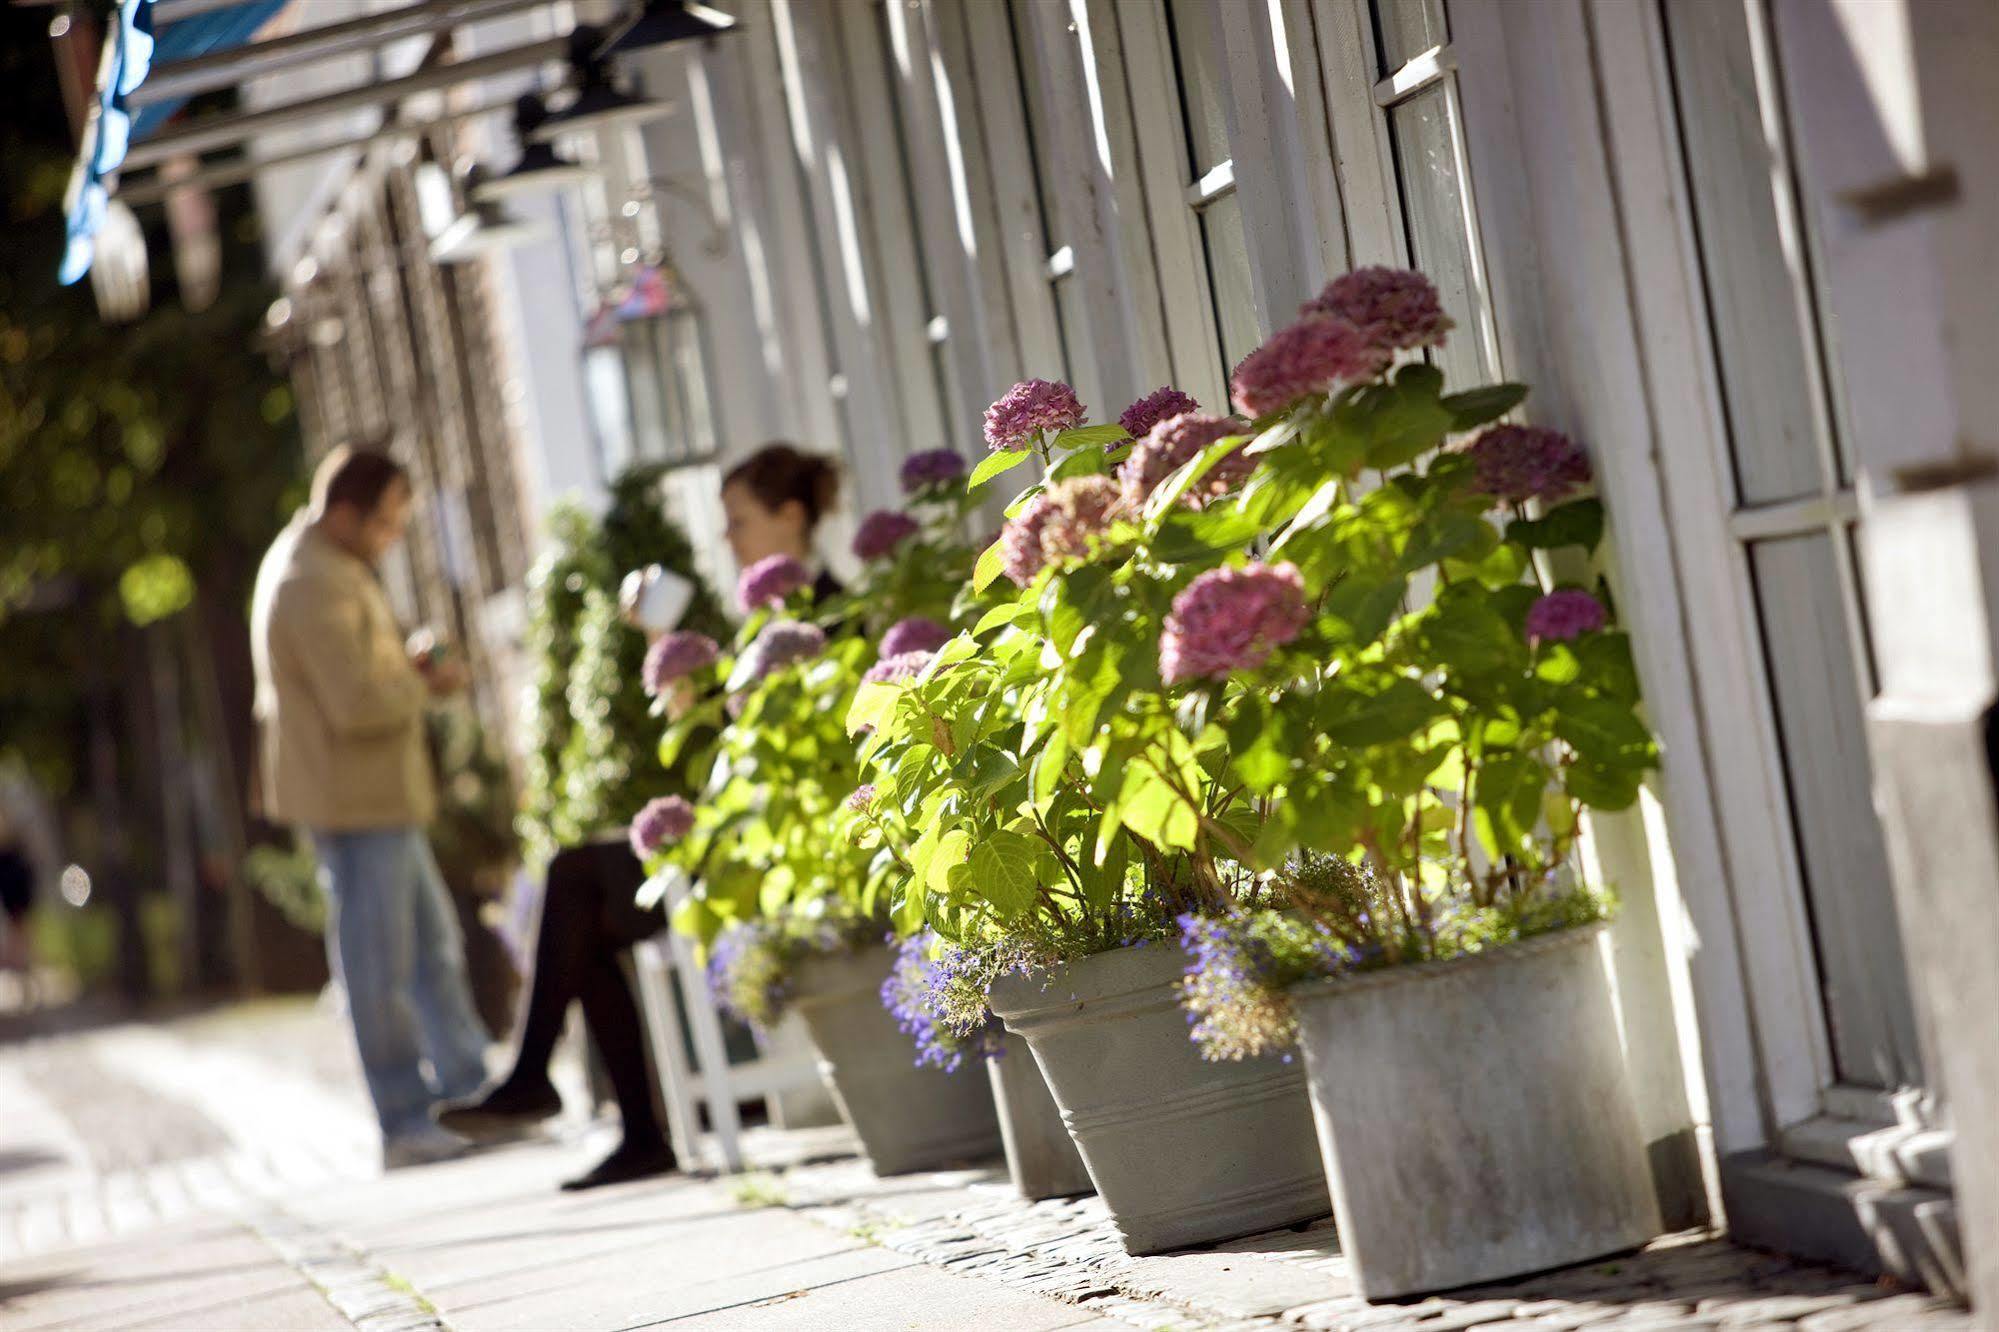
<point>907,1118</point>
<point>1476,1116</point>
<point>803,1106</point>
<point>1040,1155</point>
<point>1183,1151</point>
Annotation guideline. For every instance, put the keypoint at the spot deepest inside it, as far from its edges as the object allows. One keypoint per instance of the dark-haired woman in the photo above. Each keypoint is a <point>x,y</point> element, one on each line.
<point>774,500</point>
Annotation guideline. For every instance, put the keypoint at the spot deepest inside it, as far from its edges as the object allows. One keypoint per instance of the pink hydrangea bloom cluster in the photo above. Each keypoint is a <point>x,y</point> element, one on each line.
<point>667,819</point>
<point>771,581</point>
<point>1564,614</point>
<point>918,633</point>
<point>1231,620</point>
<point>881,532</point>
<point>1168,448</point>
<point>1394,307</point>
<point>1519,463</point>
<point>675,657</point>
<point>783,643</point>
<point>861,798</point>
<point>1029,409</point>
<point>899,667</point>
<point>1156,406</point>
<point>1303,360</point>
<point>1020,540</point>
<point>932,469</point>
<point>1079,510</point>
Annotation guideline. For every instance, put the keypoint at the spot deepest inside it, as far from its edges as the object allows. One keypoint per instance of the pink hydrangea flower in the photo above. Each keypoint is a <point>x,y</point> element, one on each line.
<point>1394,307</point>
<point>1564,614</point>
<point>1304,360</point>
<point>931,470</point>
<point>881,532</point>
<point>783,643</point>
<point>1156,406</point>
<point>675,657</point>
<point>918,633</point>
<point>901,667</point>
<point>1020,540</point>
<point>1519,463</point>
<point>1029,409</point>
<point>1231,620</point>
<point>667,819</point>
<point>1168,448</point>
<point>1079,510</point>
<point>771,581</point>
<point>861,798</point>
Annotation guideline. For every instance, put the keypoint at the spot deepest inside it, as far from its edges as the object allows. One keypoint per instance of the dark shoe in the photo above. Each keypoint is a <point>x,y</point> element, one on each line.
<point>507,1111</point>
<point>629,1162</point>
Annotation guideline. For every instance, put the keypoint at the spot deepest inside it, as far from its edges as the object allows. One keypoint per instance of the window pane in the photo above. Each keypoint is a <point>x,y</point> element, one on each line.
<point>1817,700</point>
<point>1082,367</point>
<point>1433,195</point>
<point>1763,350</point>
<point>1230,281</point>
<point>694,420</point>
<point>1408,29</point>
<point>1200,84</point>
<point>649,405</point>
<point>1027,57</point>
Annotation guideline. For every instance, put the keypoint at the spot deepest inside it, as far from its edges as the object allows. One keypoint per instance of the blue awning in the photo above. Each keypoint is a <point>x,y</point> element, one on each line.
<point>132,48</point>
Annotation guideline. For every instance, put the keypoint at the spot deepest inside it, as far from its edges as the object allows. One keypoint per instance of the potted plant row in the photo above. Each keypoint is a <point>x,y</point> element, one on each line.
<point>786,863</point>
<point>1272,731</point>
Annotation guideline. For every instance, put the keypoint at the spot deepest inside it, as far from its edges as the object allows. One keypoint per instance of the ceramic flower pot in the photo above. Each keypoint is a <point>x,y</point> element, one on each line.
<point>1183,1151</point>
<point>907,1118</point>
<point>1040,1155</point>
<point>1476,1116</point>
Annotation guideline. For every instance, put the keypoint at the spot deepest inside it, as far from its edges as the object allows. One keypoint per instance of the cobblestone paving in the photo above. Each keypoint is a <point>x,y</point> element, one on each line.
<point>969,1222</point>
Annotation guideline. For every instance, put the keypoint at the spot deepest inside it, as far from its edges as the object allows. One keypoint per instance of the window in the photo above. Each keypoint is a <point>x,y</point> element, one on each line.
<point>1208,185</point>
<point>1418,93</point>
<point>1078,366</point>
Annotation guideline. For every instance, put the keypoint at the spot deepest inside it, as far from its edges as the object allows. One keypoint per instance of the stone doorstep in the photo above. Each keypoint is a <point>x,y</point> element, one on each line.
<point>1296,1277</point>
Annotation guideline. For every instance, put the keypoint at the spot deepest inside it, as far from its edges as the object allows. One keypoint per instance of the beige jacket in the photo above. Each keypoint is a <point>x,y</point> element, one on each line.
<point>340,708</point>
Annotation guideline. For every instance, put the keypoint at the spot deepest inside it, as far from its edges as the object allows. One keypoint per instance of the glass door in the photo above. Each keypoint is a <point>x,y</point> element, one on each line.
<point>1794,523</point>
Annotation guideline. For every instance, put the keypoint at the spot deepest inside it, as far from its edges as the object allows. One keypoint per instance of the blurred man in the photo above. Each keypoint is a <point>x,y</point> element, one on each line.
<point>341,704</point>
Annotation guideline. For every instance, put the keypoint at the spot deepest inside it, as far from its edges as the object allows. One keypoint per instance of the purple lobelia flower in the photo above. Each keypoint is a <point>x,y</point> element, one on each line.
<point>911,994</point>
<point>1395,307</point>
<point>933,469</point>
<point>1170,445</point>
<point>771,581</point>
<point>918,633</point>
<point>890,670</point>
<point>1156,406</point>
<point>1520,462</point>
<point>881,532</point>
<point>1231,620</point>
<point>667,819</point>
<point>675,657</point>
<point>1304,360</point>
<point>1028,410</point>
<point>1566,613</point>
<point>782,643</point>
<point>1020,540</point>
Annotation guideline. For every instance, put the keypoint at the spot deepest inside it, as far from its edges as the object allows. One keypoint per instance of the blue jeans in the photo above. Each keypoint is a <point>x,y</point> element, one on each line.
<point>392,938</point>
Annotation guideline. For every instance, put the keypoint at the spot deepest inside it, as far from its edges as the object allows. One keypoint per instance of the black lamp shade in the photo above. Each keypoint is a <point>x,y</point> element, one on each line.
<point>665,22</point>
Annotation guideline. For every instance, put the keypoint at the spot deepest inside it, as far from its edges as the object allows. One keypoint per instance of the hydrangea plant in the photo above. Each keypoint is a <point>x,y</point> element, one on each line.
<point>1237,655</point>
<point>782,865</point>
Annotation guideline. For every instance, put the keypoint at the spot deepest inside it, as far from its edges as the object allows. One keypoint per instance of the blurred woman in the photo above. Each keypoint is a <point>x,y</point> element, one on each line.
<point>774,501</point>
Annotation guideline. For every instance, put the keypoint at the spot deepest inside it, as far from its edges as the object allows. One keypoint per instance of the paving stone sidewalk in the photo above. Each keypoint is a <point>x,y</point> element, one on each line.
<point>218,1175</point>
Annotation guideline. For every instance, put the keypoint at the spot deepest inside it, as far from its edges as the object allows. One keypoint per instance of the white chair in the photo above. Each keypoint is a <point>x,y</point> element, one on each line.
<point>673,988</point>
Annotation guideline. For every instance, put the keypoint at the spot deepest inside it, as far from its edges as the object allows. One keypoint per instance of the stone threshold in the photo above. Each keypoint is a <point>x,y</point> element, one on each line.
<point>972,1223</point>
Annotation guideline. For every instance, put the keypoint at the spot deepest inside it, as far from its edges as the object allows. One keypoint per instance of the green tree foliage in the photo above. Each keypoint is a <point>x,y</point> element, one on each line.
<point>591,760</point>
<point>138,463</point>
